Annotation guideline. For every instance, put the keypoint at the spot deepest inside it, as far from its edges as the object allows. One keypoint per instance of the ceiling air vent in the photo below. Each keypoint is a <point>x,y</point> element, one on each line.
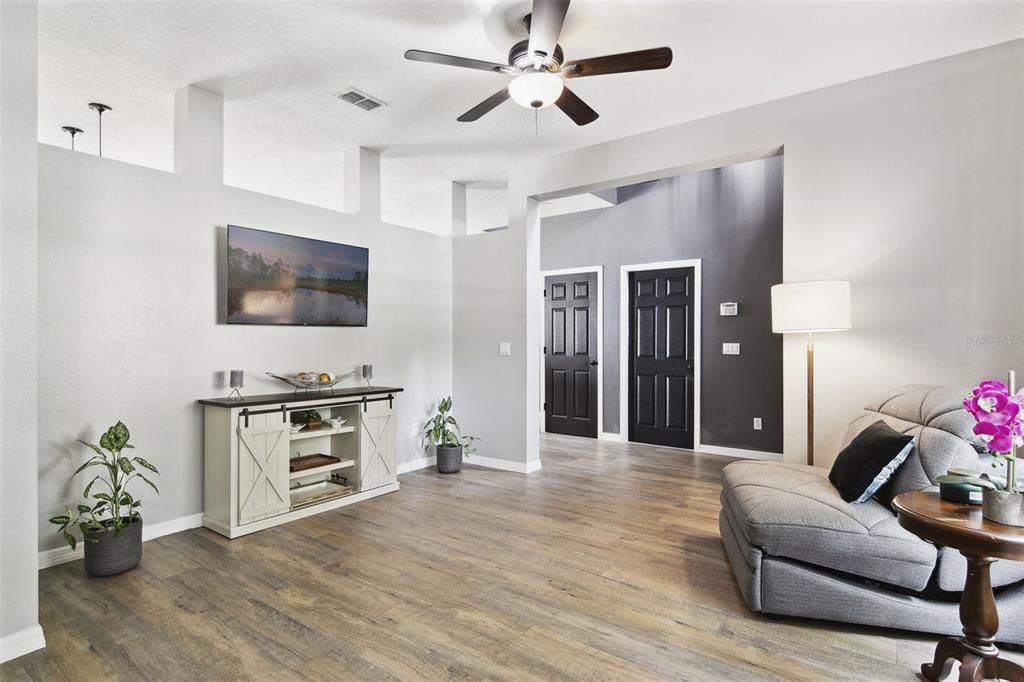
<point>360,99</point>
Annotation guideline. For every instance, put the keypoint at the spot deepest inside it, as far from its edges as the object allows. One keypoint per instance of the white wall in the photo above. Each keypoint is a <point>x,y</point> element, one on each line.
<point>486,208</point>
<point>908,184</point>
<point>128,319</point>
<point>19,599</point>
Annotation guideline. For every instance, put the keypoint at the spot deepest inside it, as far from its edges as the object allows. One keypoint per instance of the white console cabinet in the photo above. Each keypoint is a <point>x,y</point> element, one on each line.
<point>251,455</point>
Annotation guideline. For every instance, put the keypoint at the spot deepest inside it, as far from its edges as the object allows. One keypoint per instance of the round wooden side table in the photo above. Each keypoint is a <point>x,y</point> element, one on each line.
<point>962,527</point>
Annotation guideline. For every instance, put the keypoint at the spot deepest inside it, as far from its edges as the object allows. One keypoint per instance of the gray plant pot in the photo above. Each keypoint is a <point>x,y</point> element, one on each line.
<point>114,552</point>
<point>449,459</point>
<point>1003,507</point>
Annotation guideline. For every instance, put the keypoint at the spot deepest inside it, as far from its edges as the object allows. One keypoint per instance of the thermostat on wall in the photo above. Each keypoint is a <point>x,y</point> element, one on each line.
<point>728,309</point>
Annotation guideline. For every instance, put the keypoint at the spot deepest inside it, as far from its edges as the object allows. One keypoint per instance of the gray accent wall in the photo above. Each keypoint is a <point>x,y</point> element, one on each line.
<point>730,218</point>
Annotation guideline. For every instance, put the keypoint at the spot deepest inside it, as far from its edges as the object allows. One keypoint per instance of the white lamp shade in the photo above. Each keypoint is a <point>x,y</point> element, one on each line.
<point>822,306</point>
<point>536,90</point>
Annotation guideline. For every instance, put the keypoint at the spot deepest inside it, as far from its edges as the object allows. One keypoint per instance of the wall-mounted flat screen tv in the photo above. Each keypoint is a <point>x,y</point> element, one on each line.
<point>280,279</point>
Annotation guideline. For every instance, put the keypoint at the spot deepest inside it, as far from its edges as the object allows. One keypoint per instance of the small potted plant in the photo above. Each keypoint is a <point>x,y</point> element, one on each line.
<point>998,411</point>
<point>110,522</point>
<point>311,418</point>
<point>445,436</point>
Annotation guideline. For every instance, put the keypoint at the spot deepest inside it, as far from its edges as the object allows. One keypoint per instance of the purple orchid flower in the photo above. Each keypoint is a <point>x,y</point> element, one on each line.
<point>998,415</point>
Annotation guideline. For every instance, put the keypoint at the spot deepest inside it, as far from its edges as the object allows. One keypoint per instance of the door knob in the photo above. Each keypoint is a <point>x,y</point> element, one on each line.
<point>593,363</point>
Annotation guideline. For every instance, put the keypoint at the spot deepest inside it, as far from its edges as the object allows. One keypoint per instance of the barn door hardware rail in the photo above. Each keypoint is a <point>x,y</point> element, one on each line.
<point>283,409</point>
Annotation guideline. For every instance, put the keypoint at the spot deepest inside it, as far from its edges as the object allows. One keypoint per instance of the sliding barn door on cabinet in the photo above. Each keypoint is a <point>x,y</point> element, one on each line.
<point>262,468</point>
<point>376,446</point>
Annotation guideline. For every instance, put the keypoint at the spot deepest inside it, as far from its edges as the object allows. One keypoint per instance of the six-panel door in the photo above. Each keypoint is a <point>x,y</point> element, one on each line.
<point>570,354</point>
<point>661,357</point>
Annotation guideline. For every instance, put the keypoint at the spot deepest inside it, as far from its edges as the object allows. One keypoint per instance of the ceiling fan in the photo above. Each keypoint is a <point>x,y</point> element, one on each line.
<point>539,67</point>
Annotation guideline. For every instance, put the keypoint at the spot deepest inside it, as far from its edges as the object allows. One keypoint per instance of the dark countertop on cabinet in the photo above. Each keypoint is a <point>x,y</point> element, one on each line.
<point>300,396</point>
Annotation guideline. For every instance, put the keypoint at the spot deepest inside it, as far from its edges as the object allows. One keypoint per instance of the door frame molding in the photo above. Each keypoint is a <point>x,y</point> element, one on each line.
<point>624,330</point>
<point>599,269</point>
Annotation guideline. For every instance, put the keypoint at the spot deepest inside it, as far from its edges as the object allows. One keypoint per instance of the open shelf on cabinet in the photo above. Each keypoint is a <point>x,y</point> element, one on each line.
<point>316,493</point>
<point>320,431</point>
<point>310,465</point>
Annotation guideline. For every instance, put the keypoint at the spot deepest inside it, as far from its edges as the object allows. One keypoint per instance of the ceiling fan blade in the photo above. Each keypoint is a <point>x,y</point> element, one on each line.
<point>485,106</point>
<point>449,60</point>
<point>643,60</point>
<point>545,26</point>
<point>575,108</point>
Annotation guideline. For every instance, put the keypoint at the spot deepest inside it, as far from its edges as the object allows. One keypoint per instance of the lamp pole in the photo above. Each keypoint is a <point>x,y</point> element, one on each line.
<point>99,109</point>
<point>810,398</point>
<point>72,131</point>
<point>805,308</point>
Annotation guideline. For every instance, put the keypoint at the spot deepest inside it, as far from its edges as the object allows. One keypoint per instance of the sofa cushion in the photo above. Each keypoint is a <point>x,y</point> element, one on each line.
<point>870,460</point>
<point>934,415</point>
<point>951,570</point>
<point>791,510</point>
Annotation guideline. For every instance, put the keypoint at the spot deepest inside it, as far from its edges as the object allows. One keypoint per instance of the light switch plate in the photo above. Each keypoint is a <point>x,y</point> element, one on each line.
<point>730,349</point>
<point>505,348</point>
<point>728,309</point>
<point>757,423</point>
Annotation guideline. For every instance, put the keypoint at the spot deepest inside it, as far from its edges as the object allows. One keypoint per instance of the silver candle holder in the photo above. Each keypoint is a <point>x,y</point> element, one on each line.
<point>236,382</point>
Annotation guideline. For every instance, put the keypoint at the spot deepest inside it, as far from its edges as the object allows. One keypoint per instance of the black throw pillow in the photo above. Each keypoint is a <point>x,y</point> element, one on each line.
<point>869,461</point>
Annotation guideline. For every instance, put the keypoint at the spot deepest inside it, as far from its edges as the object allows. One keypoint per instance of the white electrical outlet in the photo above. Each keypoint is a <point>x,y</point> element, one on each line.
<point>730,349</point>
<point>757,423</point>
<point>504,348</point>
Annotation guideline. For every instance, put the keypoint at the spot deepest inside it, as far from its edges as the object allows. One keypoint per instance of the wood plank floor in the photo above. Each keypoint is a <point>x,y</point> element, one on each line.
<point>605,565</point>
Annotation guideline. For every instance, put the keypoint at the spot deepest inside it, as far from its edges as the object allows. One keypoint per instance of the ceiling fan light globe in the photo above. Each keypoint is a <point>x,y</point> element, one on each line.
<point>535,90</point>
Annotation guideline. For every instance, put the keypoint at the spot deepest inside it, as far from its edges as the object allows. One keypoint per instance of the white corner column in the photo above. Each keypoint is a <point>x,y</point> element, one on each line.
<point>525,215</point>
<point>199,134</point>
<point>459,226</point>
<point>19,233</point>
<point>362,182</point>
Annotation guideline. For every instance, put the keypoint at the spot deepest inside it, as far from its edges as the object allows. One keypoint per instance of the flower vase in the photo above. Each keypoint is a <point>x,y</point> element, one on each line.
<point>1003,507</point>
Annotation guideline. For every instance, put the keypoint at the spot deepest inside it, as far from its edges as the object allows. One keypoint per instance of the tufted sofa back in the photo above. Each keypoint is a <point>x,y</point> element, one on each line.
<point>934,415</point>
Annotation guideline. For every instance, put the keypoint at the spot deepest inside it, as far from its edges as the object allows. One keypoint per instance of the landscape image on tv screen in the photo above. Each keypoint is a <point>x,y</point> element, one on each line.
<point>280,279</point>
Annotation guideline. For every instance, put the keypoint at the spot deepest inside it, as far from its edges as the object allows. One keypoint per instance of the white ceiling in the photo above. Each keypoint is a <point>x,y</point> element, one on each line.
<point>278,65</point>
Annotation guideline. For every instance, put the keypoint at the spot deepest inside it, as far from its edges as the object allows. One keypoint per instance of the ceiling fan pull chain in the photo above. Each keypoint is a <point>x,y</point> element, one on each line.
<point>535,122</point>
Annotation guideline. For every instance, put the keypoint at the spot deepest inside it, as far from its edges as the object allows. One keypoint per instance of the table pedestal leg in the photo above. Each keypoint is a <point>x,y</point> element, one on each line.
<point>978,655</point>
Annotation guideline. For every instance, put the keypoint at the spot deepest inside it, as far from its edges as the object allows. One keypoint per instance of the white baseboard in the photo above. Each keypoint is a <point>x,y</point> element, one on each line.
<point>488,462</point>
<point>739,452</point>
<point>62,555</point>
<point>504,464</point>
<point>416,464</point>
<point>614,437</point>
<point>21,642</point>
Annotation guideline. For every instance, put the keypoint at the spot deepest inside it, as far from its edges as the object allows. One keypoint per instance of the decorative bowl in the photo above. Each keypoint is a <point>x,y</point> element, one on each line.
<point>295,382</point>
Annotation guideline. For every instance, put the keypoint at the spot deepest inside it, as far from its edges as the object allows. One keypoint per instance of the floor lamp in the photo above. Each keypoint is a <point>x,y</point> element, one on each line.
<point>806,308</point>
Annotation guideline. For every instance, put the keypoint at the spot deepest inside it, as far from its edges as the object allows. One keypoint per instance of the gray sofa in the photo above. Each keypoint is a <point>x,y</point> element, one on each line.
<point>797,549</point>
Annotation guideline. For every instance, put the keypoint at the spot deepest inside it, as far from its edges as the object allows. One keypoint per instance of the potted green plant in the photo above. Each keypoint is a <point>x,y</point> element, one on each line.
<point>443,434</point>
<point>311,418</point>
<point>110,522</point>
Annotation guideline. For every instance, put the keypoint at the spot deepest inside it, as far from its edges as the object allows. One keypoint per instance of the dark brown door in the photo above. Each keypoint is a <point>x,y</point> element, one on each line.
<point>570,354</point>
<point>661,357</point>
